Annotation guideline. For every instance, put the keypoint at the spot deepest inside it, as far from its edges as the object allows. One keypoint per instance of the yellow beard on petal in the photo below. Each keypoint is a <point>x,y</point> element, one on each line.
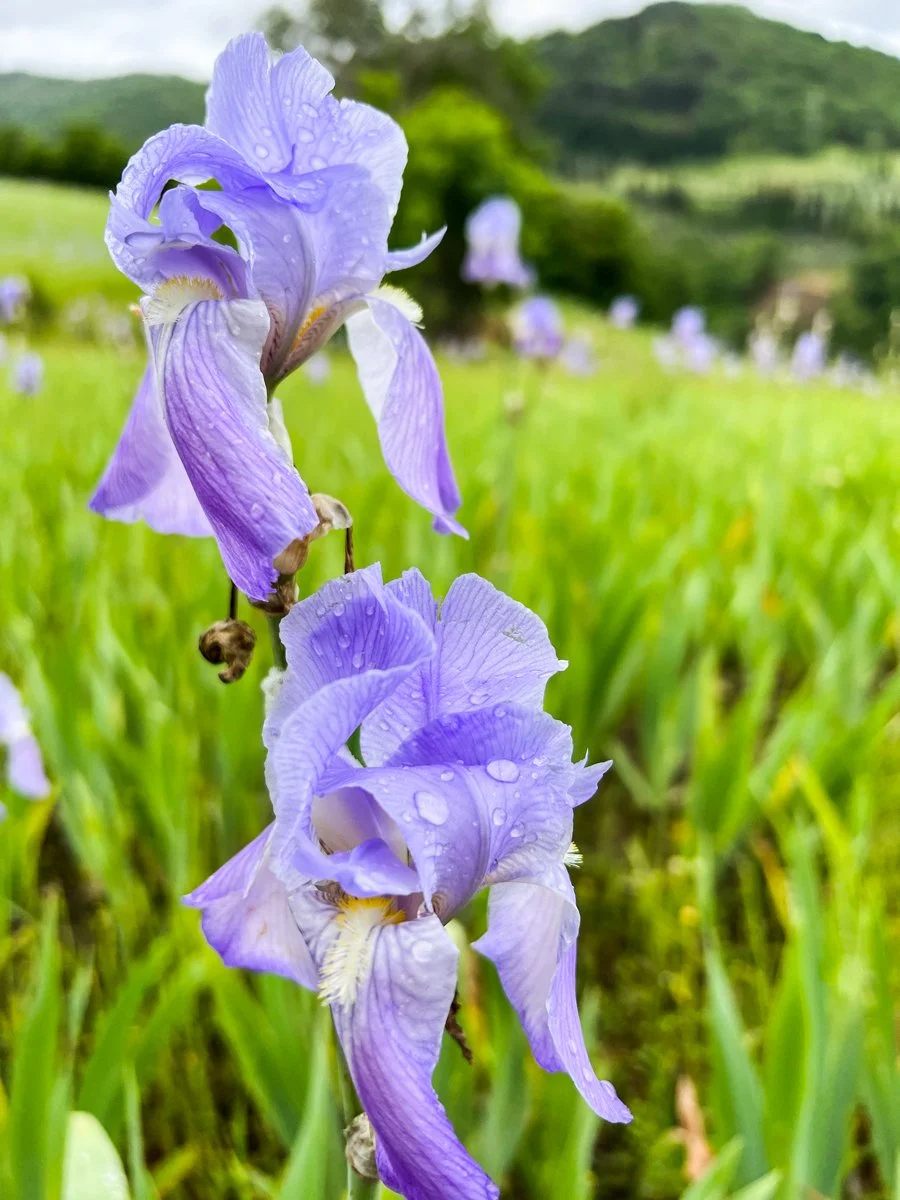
<point>349,956</point>
<point>307,325</point>
<point>174,295</point>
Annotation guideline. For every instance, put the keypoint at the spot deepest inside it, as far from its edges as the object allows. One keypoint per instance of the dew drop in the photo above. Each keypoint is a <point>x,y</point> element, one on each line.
<point>500,713</point>
<point>338,609</point>
<point>256,511</point>
<point>498,816</point>
<point>517,830</point>
<point>343,641</point>
<point>317,162</point>
<point>286,238</point>
<point>357,661</point>
<point>305,135</point>
<point>422,951</point>
<point>262,151</point>
<point>431,807</point>
<point>503,770</point>
<point>587,1072</point>
<point>478,698</point>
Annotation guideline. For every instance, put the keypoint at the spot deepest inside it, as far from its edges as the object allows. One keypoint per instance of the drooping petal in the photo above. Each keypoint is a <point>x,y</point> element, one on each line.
<point>401,260</point>
<point>403,390</point>
<point>347,647</point>
<point>145,479</point>
<point>532,939</point>
<point>390,1029</point>
<point>491,650</point>
<point>247,918</point>
<point>207,365</point>
<point>479,797</point>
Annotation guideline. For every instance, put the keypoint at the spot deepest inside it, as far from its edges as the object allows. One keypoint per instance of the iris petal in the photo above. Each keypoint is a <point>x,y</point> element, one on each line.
<point>499,651</point>
<point>391,1035</point>
<point>145,479</point>
<point>403,390</point>
<point>214,403</point>
<point>532,939</point>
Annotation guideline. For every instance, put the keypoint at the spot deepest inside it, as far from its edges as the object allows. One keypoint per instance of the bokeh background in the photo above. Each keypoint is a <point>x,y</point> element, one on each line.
<point>714,548</point>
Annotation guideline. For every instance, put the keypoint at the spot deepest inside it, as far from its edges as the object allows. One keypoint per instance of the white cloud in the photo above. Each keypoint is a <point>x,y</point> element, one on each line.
<point>107,37</point>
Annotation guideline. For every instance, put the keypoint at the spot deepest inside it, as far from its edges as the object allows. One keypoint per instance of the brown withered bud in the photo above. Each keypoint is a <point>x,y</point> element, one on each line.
<point>230,642</point>
<point>360,1147</point>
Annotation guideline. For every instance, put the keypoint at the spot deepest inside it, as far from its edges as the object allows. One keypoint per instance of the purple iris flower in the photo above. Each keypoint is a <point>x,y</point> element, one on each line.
<point>577,355</point>
<point>28,374</point>
<point>699,353</point>
<point>308,188</point>
<point>492,233</point>
<point>537,328</point>
<point>688,323</point>
<point>14,293</point>
<point>810,356</point>
<point>24,765</point>
<point>623,312</point>
<point>467,783</point>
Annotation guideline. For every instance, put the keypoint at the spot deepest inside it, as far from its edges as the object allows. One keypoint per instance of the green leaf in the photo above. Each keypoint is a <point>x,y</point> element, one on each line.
<point>92,1169</point>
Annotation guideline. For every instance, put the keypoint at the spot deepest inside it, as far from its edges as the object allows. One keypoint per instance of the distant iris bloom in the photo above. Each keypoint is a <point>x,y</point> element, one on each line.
<point>537,328</point>
<point>810,356</point>
<point>623,312</point>
<point>688,323</point>
<point>466,783</point>
<point>764,351</point>
<point>577,355</point>
<point>307,190</point>
<point>492,234</point>
<point>24,764</point>
<point>14,293</point>
<point>28,374</point>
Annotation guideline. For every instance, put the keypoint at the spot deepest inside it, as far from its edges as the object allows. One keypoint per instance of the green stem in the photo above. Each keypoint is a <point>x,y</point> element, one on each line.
<point>278,655</point>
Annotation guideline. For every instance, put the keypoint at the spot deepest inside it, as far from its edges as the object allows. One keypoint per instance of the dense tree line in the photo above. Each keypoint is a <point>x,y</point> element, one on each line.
<point>81,154</point>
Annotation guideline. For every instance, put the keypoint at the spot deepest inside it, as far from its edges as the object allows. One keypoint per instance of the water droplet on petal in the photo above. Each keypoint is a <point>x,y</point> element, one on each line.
<point>503,770</point>
<point>517,830</point>
<point>500,713</point>
<point>446,776</point>
<point>286,238</point>
<point>317,162</point>
<point>305,135</point>
<point>262,151</point>
<point>344,641</point>
<point>256,511</point>
<point>431,807</point>
<point>422,951</point>
<point>498,816</point>
<point>338,609</point>
<point>357,661</point>
<point>478,698</point>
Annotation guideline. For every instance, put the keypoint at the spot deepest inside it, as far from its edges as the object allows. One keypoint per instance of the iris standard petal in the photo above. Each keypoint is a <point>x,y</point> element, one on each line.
<point>247,919</point>
<point>491,650</point>
<point>274,240</point>
<point>390,1026</point>
<point>479,797</point>
<point>145,479</point>
<point>347,647</point>
<point>403,390</point>
<point>239,103</point>
<point>532,940</point>
<point>207,364</point>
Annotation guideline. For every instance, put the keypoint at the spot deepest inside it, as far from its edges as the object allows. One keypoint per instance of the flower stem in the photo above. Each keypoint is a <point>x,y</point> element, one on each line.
<point>278,653</point>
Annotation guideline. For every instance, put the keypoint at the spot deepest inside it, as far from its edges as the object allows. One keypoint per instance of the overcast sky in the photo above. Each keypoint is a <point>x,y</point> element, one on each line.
<point>85,38</point>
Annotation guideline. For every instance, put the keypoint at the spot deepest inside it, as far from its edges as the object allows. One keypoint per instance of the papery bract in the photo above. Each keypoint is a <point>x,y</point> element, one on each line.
<point>466,783</point>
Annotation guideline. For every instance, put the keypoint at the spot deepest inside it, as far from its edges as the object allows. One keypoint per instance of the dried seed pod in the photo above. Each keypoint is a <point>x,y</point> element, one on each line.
<point>230,642</point>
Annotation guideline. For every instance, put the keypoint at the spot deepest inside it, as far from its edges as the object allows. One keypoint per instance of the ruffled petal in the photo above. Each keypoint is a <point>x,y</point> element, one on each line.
<point>239,103</point>
<point>479,797</point>
<point>247,918</point>
<point>391,1034</point>
<point>491,650</point>
<point>403,390</point>
<point>532,939</point>
<point>207,365</point>
<point>145,479</point>
<point>347,647</point>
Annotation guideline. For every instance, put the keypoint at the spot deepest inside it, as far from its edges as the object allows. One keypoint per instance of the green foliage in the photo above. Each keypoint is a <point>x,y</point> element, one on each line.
<point>866,313</point>
<point>681,81</point>
<point>718,562</point>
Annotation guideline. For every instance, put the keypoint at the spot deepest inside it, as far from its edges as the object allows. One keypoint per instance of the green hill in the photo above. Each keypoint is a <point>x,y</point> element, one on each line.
<point>130,107</point>
<point>681,81</point>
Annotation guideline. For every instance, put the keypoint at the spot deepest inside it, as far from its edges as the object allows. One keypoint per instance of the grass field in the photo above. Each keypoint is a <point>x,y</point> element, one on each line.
<point>719,560</point>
